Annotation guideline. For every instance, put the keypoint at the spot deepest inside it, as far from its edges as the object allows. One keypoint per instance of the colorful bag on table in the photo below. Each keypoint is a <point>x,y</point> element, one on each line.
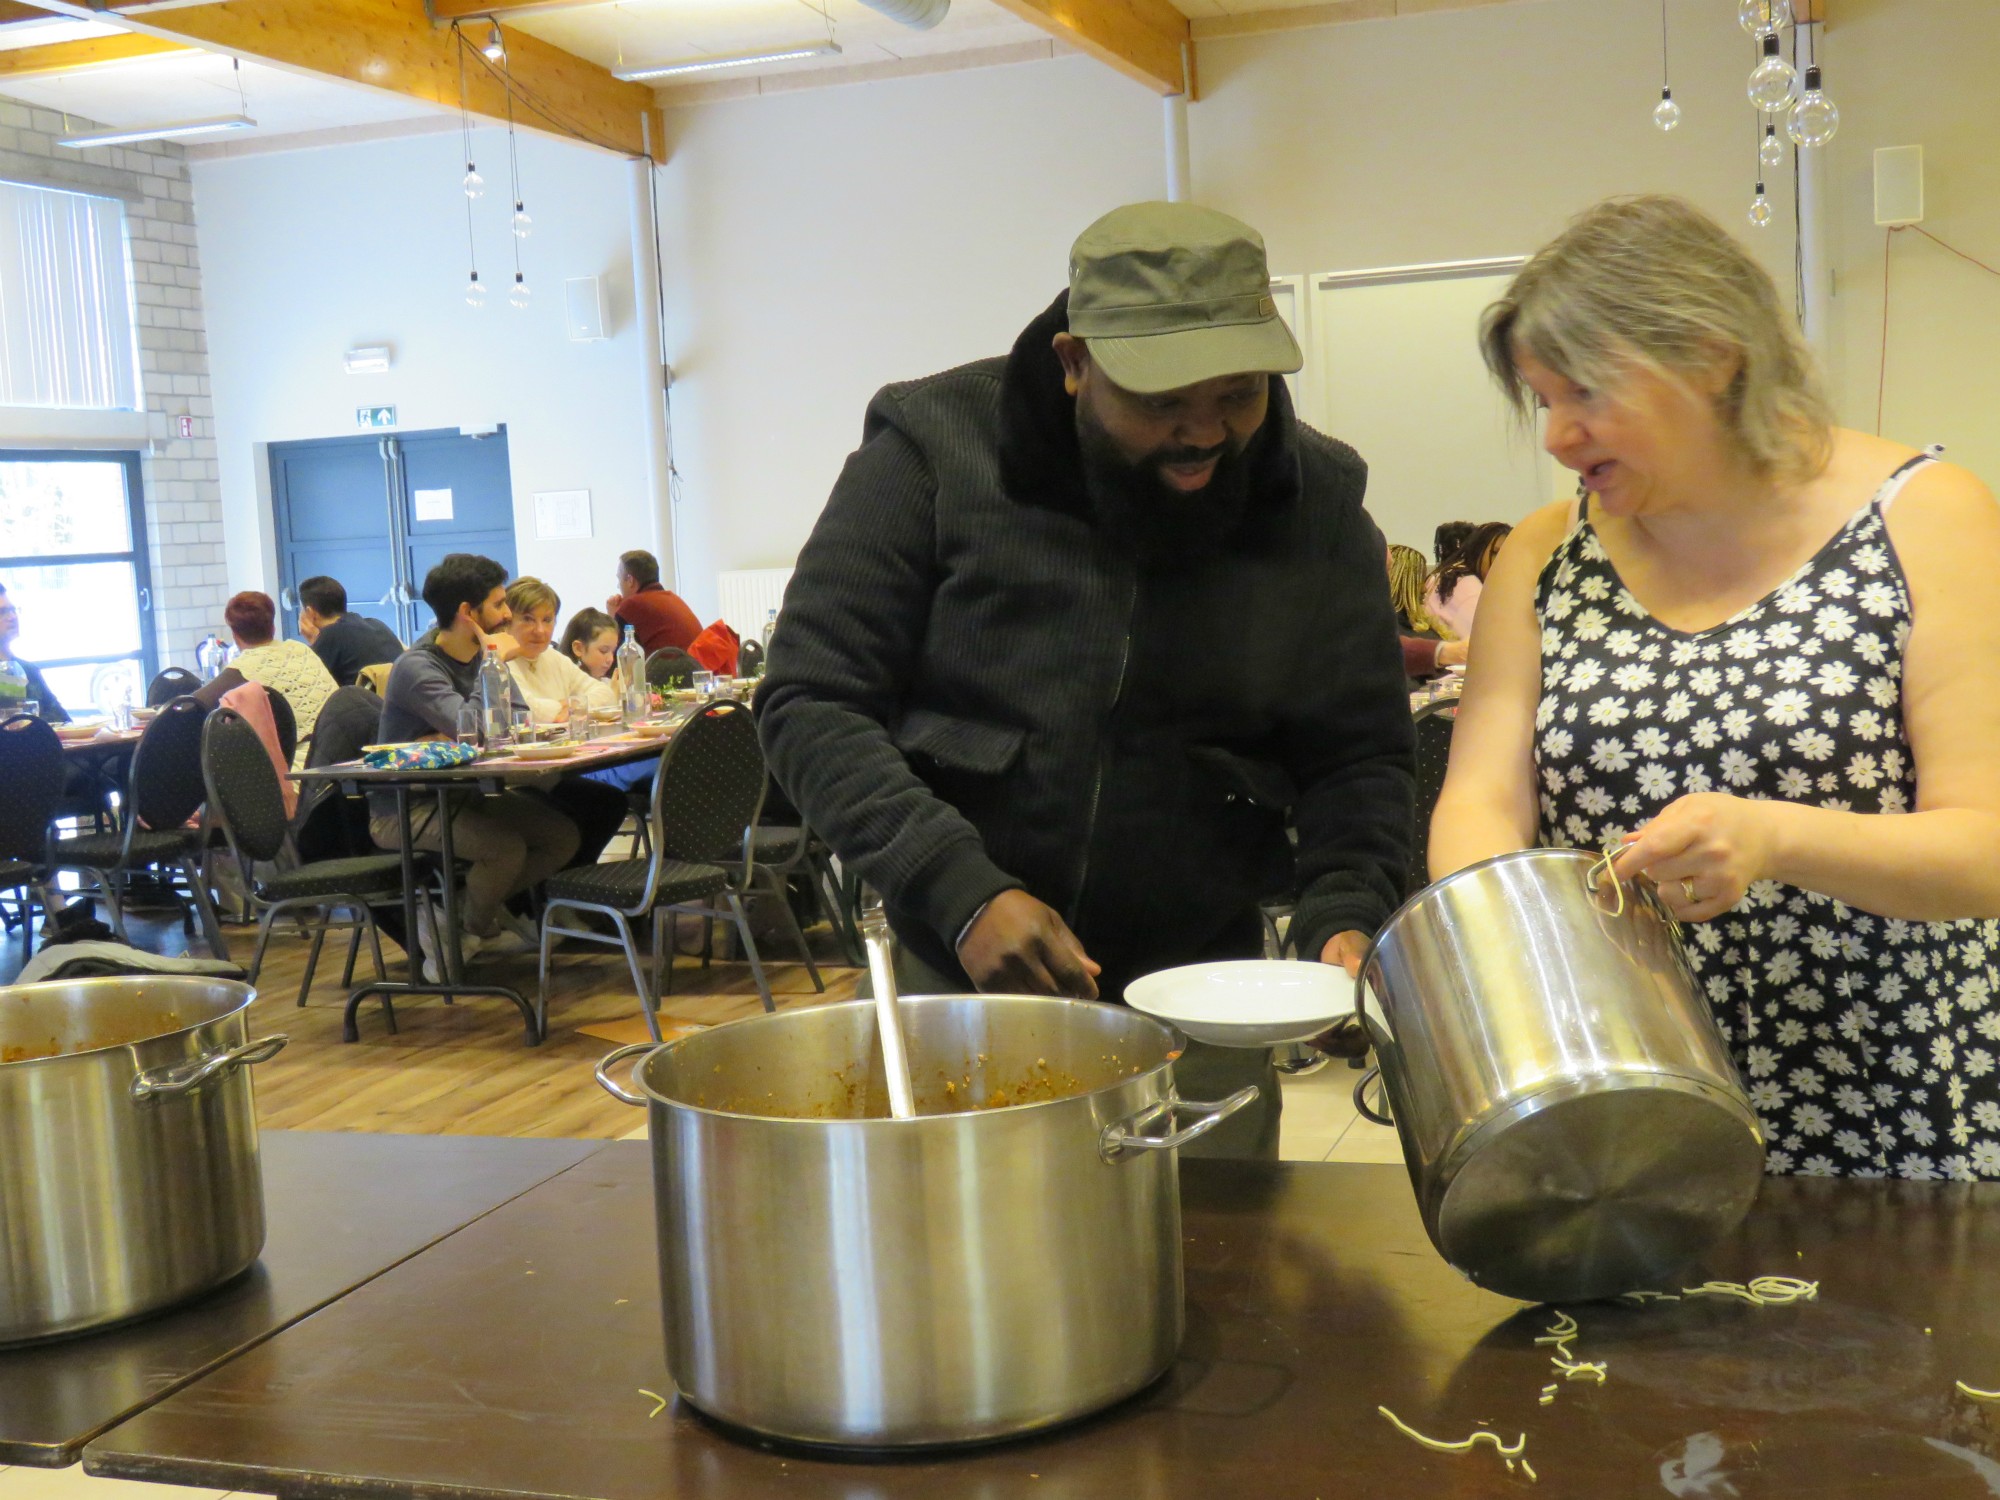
<point>430,755</point>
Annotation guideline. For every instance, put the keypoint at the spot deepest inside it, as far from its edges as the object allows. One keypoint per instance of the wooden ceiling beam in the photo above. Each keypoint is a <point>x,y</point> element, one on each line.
<point>75,57</point>
<point>393,45</point>
<point>1146,40</point>
<point>466,10</point>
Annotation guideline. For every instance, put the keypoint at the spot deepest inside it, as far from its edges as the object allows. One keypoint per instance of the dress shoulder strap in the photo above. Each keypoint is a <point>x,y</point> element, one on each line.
<point>1905,471</point>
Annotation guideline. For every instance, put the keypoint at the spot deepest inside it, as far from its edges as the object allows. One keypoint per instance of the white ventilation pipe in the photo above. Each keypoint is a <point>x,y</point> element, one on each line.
<point>1179,175</point>
<point>918,15</point>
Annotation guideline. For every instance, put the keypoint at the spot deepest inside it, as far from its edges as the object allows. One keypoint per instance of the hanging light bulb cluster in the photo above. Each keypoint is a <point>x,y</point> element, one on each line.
<point>521,225</point>
<point>1775,89</point>
<point>1666,114</point>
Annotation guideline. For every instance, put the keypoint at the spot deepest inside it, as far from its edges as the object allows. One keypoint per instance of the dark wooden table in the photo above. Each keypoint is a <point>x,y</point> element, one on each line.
<point>341,1208</point>
<point>509,1361</point>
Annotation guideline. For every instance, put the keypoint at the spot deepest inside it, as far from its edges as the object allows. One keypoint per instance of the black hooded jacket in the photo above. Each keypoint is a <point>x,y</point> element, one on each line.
<point>979,683</point>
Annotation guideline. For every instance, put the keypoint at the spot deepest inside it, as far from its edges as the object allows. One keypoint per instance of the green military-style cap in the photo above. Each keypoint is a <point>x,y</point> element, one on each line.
<point>1167,295</point>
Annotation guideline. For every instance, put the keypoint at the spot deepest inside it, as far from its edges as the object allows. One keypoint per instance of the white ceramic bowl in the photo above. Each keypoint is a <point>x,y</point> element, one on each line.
<point>1252,1002</point>
<point>545,752</point>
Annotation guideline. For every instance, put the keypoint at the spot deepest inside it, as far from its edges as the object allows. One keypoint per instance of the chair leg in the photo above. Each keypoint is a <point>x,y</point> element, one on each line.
<point>367,917</point>
<point>264,924</point>
<point>114,905</point>
<point>780,894</point>
<point>205,907</point>
<point>353,949</point>
<point>742,921</point>
<point>542,975</point>
<point>312,956</point>
<point>645,995</point>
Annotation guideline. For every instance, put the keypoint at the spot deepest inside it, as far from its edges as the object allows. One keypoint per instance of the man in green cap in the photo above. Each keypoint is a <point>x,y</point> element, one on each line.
<point>1083,631</point>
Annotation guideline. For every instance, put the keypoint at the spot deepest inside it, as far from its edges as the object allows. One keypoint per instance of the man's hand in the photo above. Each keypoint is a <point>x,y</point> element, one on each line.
<point>1453,653</point>
<point>509,647</point>
<point>1020,946</point>
<point>611,604</point>
<point>1346,949</point>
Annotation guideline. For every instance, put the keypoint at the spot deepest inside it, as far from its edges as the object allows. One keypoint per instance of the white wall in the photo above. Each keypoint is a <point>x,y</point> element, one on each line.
<point>308,253</point>
<point>821,243</point>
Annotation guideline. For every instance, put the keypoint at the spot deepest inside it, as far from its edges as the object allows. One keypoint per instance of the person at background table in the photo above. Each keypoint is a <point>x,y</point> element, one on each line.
<point>1759,653</point>
<point>288,667</point>
<point>657,615</point>
<point>344,641</point>
<point>548,681</point>
<point>1446,539</point>
<point>1425,652</point>
<point>1452,596</point>
<point>1081,631</point>
<point>591,641</point>
<point>31,686</point>
<point>513,841</point>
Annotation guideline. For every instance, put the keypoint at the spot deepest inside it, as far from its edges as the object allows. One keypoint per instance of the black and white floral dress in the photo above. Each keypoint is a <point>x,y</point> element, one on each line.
<point>1869,1044</point>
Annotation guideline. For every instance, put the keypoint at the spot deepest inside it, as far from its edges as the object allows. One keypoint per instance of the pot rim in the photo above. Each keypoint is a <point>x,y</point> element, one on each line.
<point>1539,851</point>
<point>243,1003</point>
<point>1177,1045</point>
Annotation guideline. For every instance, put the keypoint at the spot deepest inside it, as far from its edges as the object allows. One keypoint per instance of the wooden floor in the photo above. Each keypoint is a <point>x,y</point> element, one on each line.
<point>463,1069</point>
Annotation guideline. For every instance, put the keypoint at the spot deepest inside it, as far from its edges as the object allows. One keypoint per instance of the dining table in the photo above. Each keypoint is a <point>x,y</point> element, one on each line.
<point>340,1208</point>
<point>1329,1352</point>
<point>492,773</point>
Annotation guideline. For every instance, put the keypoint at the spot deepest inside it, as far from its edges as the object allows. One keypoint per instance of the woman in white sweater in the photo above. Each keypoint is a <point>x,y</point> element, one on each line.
<point>548,679</point>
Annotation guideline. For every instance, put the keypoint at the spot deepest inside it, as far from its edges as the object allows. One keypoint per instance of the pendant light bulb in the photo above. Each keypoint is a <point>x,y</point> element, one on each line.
<point>495,49</point>
<point>1762,18</point>
<point>1772,152</point>
<point>1666,114</point>
<point>1760,209</point>
<point>1814,118</point>
<point>475,292</point>
<point>1771,80</point>
<point>520,294</point>
<point>474,184</point>
<point>523,225</point>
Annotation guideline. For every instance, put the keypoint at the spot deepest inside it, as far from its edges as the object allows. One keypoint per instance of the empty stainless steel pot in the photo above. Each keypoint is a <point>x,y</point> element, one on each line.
<point>129,1177</point>
<point>831,1275</point>
<point>1572,1122</point>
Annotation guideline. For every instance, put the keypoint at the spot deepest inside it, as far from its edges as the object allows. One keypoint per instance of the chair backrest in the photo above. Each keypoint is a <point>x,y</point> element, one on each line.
<point>31,783</point>
<point>710,787</point>
<point>1434,725</point>
<point>242,786</point>
<point>749,658</point>
<point>375,678</point>
<point>350,718</point>
<point>174,682</point>
<point>166,788</point>
<point>670,667</point>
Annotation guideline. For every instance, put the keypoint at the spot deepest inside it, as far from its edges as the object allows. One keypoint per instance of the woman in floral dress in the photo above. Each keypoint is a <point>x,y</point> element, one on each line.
<point>1761,653</point>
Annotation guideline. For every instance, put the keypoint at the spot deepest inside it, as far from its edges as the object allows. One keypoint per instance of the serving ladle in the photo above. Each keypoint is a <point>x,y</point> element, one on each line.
<point>888,1014</point>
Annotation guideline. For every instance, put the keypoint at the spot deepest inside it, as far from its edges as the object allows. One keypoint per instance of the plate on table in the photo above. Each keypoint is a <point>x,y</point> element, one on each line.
<point>654,729</point>
<point>545,752</point>
<point>144,715</point>
<point>1253,1002</point>
<point>77,730</point>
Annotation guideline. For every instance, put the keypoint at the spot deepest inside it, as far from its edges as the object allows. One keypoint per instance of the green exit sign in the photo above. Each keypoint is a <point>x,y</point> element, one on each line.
<point>374,416</point>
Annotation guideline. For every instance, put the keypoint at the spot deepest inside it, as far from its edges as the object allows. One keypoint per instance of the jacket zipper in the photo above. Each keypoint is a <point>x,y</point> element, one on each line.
<point>1097,775</point>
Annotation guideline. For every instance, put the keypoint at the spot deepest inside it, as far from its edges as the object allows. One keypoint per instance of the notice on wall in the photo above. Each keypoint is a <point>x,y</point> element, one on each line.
<point>562,515</point>
<point>432,505</point>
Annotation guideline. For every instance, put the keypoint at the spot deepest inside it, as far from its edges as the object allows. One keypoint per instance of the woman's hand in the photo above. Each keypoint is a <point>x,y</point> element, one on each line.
<point>1453,653</point>
<point>1703,852</point>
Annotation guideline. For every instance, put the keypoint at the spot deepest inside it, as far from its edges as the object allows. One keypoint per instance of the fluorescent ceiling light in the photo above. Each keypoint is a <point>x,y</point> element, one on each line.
<point>177,130</point>
<point>732,60</point>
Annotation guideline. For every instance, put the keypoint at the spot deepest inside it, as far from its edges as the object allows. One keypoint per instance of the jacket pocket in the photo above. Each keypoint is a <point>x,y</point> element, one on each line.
<point>963,745</point>
<point>1263,783</point>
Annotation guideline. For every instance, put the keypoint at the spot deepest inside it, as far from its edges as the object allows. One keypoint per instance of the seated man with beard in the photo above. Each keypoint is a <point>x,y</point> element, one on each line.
<point>1081,631</point>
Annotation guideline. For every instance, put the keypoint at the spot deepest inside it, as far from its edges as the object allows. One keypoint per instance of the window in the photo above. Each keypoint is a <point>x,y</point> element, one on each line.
<point>68,335</point>
<point>73,561</point>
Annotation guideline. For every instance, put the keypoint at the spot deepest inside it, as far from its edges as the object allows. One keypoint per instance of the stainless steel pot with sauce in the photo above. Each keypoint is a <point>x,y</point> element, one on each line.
<point>129,1173</point>
<point>1572,1121</point>
<point>1009,1259</point>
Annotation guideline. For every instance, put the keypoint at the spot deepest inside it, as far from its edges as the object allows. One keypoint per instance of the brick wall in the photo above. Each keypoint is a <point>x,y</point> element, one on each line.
<point>183,498</point>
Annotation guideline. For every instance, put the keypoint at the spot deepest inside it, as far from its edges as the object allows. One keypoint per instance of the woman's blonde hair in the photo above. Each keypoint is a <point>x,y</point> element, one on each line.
<point>525,594</point>
<point>1653,283</point>
<point>1408,573</point>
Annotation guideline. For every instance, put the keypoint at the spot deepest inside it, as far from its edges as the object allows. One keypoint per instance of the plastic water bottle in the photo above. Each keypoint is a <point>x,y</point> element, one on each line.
<point>632,672</point>
<point>770,629</point>
<point>496,700</point>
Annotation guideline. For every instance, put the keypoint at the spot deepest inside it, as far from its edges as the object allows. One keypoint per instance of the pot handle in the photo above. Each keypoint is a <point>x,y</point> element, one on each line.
<point>1121,1138</point>
<point>623,1096</point>
<point>172,1083</point>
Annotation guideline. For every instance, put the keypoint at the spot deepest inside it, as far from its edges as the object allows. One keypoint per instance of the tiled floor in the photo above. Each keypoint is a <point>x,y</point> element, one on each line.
<point>1320,1123</point>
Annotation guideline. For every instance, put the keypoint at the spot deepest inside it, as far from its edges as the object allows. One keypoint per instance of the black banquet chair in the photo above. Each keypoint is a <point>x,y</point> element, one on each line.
<point>671,667</point>
<point>163,793</point>
<point>31,786</point>
<point>245,799</point>
<point>174,682</point>
<point>1434,725</point>
<point>750,658</point>
<point>705,800</point>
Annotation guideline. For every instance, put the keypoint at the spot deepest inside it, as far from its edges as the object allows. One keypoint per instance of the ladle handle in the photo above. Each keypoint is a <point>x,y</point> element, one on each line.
<point>888,1014</point>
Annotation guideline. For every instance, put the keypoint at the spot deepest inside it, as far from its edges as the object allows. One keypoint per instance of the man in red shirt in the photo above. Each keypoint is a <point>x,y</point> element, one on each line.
<point>659,616</point>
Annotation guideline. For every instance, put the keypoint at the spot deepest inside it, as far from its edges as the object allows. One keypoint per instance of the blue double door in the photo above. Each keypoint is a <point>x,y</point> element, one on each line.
<point>378,512</point>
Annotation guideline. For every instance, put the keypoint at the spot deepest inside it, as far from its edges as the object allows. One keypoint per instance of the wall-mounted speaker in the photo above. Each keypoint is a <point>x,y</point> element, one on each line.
<point>583,302</point>
<point>1899,185</point>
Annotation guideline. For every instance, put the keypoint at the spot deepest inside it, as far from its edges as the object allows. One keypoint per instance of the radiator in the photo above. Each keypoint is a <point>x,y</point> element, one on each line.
<point>748,596</point>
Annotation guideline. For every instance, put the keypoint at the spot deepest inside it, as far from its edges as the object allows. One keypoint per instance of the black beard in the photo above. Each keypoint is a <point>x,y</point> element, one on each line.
<point>1165,524</point>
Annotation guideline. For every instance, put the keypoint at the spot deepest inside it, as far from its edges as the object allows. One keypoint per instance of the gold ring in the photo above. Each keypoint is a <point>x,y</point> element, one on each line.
<point>1687,890</point>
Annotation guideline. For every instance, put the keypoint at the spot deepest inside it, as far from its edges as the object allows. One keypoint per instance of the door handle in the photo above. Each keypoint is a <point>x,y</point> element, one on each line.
<point>145,601</point>
<point>289,598</point>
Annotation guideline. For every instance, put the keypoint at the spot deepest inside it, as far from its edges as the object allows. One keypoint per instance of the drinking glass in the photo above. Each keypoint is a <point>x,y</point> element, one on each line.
<point>32,707</point>
<point>703,684</point>
<point>469,727</point>
<point>579,718</point>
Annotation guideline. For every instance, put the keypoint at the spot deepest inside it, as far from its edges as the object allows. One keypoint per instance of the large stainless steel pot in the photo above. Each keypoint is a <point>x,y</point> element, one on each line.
<point>831,1275</point>
<point>129,1177</point>
<point>1571,1119</point>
